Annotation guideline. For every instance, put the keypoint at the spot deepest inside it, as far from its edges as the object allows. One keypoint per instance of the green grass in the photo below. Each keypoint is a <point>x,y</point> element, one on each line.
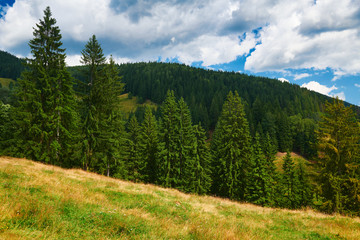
<point>129,105</point>
<point>44,202</point>
<point>5,82</point>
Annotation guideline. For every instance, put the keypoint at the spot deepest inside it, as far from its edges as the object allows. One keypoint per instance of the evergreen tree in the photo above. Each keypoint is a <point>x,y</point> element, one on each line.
<point>94,60</point>
<point>45,107</point>
<point>200,174</point>
<point>169,167</point>
<point>258,185</point>
<point>135,164</point>
<point>231,150</point>
<point>149,144</point>
<point>304,188</point>
<point>338,145</point>
<point>289,181</point>
<point>110,134</point>
<point>185,143</point>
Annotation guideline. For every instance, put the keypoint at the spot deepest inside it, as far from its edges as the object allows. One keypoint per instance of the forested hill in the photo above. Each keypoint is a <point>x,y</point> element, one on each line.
<point>205,91</point>
<point>10,66</point>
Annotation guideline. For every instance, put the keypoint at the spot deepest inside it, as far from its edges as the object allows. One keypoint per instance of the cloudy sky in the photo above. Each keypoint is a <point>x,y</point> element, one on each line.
<point>312,43</point>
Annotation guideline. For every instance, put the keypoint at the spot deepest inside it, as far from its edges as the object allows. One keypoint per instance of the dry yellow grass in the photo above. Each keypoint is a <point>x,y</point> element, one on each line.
<point>46,202</point>
<point>128,105</point>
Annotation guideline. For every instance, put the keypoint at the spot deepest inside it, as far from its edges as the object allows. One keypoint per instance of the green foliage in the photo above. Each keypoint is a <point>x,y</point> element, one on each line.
<point>259,185</point>
<point>338,145</point>
<point>290,182</point>
<point>169,166</point>
<point>45,114</point>
<point>149,146</point>
<point>231,150</point>
<point>10,66</point>
<point>134,162</point>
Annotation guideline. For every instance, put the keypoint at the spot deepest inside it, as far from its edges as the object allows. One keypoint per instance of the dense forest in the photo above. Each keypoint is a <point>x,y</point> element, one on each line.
<point>214,132</point>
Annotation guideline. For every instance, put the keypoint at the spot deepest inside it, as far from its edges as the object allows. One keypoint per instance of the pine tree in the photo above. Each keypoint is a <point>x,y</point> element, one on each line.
<point>258,187</point>
<point>149,145</point>
<point>46,117</point>
<point>185,143</point>
<point>338,145</point>
<point>304,188</point>
<point>94,60</point>
<point>231,150</point>
<point>289,181</point>
<point>200,168</point>
<point>134,164</point>
<point>169,166</point>
<point>110,133</point>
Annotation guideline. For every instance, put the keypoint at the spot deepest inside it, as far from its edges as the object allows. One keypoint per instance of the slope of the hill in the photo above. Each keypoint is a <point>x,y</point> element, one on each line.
<point>10,66</point>
<point>45,202</point>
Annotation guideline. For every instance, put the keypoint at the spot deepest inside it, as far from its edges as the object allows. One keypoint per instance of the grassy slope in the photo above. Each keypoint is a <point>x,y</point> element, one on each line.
<point>5,82</point>
<point>128,105</point>
<point>45,202</point>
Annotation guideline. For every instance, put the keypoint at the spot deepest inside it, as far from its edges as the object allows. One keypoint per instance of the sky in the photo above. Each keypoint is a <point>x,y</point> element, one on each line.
<point>312,43</point>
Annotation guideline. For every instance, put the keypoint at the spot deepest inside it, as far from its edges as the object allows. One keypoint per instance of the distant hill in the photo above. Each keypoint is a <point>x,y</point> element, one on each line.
<point>40,201</point>
<point>10,66</point>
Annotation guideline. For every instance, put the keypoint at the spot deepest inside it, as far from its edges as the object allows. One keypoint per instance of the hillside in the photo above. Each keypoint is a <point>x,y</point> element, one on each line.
<point>45,202</point>
<point>10,66</point>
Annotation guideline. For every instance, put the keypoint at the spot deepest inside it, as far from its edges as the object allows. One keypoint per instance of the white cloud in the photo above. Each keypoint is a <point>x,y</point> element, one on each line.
<point>357,85</point>
<point>317,87</point>
<point>73,60</point>
<point>283,80</point>
<point>300,76</point>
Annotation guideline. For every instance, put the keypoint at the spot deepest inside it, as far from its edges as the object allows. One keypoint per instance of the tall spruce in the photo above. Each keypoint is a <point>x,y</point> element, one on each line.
<point>106,91</point>
<point>134,162</point>
<point>45,98</point>
<point>231,150</point>
<point>338,146</point>
<point>169,166</point>
<point>94,60</point>
<point>200,167</point>
<point>149,145</point>
<point>185,143</point>
<point>259,184</point>
<point>290,183</point>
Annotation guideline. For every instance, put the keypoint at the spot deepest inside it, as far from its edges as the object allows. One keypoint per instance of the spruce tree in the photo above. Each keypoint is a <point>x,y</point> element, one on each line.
<point>338,146</point>
<point>110,134</point>
<point>289,181</point>
<point>134,163</point>
<point>185,143</point>
<point>304,188</point>
<point>258,185</point>
<point>45,108</point>
<point>149,145</point>
<point>231,150</point>
<point>94,60</point>
<point>169,167</point>
<point>200,167</point>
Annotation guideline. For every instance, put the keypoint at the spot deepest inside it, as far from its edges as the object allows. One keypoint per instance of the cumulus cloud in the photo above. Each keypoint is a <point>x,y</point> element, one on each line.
<point>289,35</point>
<point>317,87</point>
<point>283,80</point>
<point>301,76</point>
<point>357,85</point>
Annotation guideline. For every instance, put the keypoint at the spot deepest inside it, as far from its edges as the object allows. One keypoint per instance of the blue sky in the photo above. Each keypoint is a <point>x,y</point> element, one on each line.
<point>312,43</point>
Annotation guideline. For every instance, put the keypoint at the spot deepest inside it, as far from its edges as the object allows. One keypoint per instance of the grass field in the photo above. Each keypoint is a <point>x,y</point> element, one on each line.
<point>5,82</point>
<point>129,105</point>
<point>45,202</point>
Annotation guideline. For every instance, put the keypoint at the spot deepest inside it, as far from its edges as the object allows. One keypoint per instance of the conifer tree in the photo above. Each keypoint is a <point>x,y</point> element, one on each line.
<point>93,58</point>
<point>231,150</point>
<point>135,164</point>
<point>45,108</point>
<point>200,167</point>
<point>110,133</point>
<point>303,188</point>
<point>338,145</point>
<point>149,145</point>
<point>169,166</point>
<point>289,181</point>
<point>185,143</point>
